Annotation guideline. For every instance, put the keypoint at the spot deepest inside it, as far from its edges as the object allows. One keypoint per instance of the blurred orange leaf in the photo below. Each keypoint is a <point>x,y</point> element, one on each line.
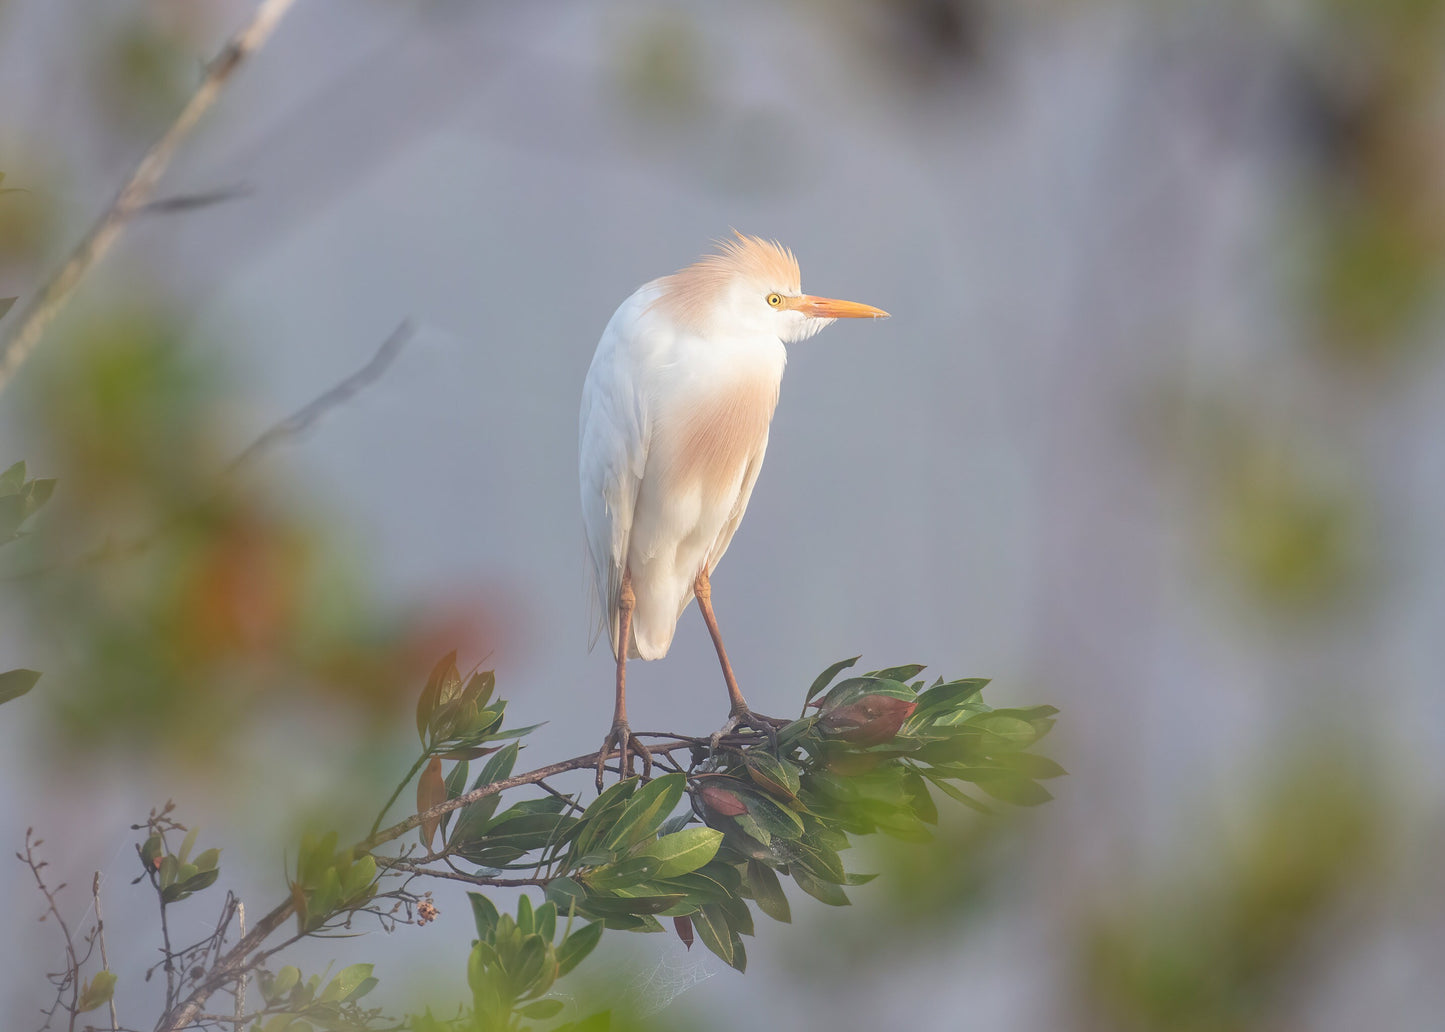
<point>431,791</point>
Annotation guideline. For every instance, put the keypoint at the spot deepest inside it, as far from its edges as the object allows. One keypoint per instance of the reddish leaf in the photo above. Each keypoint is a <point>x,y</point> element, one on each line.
<point>684,930</point>
<point>431,790</point>
<point>872,720</point>
<point>722,802</point>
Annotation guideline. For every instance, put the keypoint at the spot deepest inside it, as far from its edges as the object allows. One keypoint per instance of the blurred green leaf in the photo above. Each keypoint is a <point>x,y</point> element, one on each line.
<point>575,948</point>
<point>96,992</point>
<point>15,683</point>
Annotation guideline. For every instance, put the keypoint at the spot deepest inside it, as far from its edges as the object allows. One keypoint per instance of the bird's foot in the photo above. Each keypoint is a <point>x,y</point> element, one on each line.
<point>746,718</point>
<point>622,739</point>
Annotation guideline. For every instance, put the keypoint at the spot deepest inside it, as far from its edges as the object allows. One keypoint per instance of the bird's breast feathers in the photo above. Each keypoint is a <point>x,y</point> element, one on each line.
<point>709,432</point>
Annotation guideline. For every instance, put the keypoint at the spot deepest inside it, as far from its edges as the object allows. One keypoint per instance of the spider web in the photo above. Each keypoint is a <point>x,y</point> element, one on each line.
<point>674,974</point>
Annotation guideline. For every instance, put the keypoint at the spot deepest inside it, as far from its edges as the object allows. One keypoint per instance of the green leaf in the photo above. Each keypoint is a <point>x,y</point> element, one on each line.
<point>346,983</point>
<point>1005,730</point>
<point>545,918</point>
<point>528,967</point>
<point>1030,764</point>
<point>430,698</point>
<point>15,683</point>
<point>625,874</point>
<point>628,906</point>
<point>646,810</point>
<point>566,893</point>
<point>762,883</point>
<point>717,932</point>
<point>195,883</point>
<point>826,677</point>
<point>12,514</point>
<point>97,992</point>
<point>484,913</point>
<point>187,844</point>
<point>778,819</point>
<point>541,1010</point>
<point>37,493</point>
<point>12,479</point>
<point>942,697</point>
<point>821,890</point>
<point>774,775</point>
<point>711,928</point>
<point>954,792</point>
<point>506,841</point>
<point>684,851</point>
<point>598,817</point>
<point>1018,790</point>
<point>480,687</point>
<point>575,947</point>
<point>900,673</point>
<point>282,984</point>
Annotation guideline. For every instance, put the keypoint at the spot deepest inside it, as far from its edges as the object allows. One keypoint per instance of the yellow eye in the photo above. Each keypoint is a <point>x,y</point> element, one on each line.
<point>775,300</point>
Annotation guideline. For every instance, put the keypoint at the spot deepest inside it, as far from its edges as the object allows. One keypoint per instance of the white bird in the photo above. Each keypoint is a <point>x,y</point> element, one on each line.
<point>675,416</point>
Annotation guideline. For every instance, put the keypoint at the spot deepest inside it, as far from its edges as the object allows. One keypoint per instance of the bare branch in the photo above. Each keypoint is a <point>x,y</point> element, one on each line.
<point>279,433</point>
<point>138,189</point>
<point>306,417</point>
<point>69,980</point>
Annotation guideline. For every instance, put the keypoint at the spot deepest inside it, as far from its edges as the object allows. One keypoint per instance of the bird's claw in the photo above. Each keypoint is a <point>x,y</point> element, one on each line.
<point>746,718</point>
<point>622,739</point>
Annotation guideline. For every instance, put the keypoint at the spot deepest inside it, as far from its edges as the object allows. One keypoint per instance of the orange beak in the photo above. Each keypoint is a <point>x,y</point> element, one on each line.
<point>830,308</point>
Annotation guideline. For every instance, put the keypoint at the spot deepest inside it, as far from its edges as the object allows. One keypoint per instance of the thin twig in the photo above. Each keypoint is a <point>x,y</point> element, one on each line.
<point>462,876</point>
<point>100,934</point>
<point>190,202</point>
<point>421,760</point>
<point>138,189</point>
<point>305,417</point>
<point>278,433</point>
<point>71,978</point>
<point>167,959</point>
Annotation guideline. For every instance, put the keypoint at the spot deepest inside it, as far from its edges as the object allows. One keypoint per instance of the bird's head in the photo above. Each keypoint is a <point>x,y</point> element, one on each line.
<point>751,287</point>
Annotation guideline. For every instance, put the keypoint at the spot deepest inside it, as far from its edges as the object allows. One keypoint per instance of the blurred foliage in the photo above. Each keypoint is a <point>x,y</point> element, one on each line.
<point>146,64</point>
<point>1297,539</point>
<point>28,215</point>
<point>1223,943</point>
<point>662,67</point>
<point>201,596</point>
<point>1376,228</point>
<point>20,498</point>
<point>1283,514</point>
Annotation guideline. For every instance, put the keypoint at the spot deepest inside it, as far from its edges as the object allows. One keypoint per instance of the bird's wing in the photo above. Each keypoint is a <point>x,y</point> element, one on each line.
<point>612,451</point>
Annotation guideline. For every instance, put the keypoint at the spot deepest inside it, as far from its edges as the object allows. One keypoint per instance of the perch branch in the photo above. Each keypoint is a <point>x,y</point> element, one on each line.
<point>239,959</point>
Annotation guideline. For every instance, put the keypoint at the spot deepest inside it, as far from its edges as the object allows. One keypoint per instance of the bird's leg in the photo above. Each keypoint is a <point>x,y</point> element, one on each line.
<point>621,735</point>
<point>739,715</point>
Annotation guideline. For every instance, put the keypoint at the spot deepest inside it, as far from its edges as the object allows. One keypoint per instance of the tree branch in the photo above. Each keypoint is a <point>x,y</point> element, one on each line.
<point>233,964</point>
<point>138,189</point>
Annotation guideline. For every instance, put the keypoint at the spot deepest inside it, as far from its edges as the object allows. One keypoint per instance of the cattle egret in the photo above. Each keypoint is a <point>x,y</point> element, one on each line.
<point>674,423</point>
